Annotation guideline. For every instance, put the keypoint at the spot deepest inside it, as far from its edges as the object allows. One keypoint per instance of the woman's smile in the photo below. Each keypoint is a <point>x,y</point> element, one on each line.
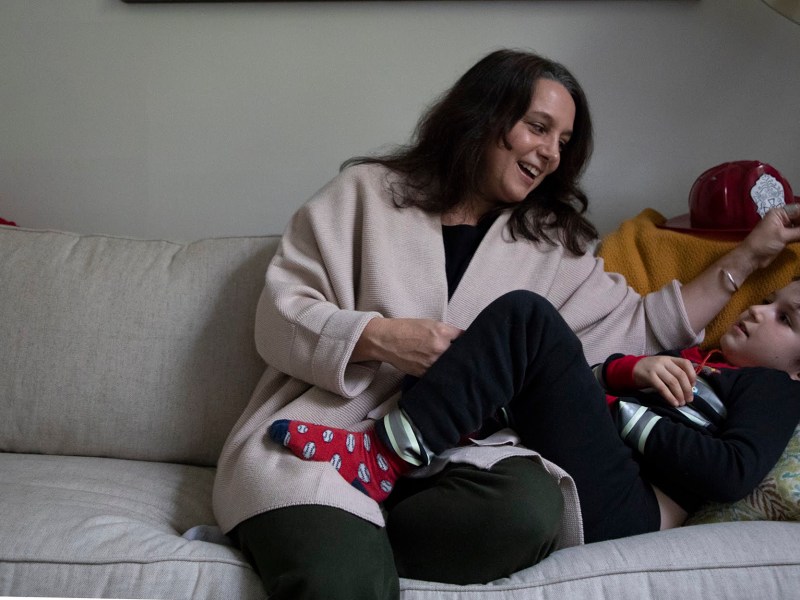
<point>531,150</point>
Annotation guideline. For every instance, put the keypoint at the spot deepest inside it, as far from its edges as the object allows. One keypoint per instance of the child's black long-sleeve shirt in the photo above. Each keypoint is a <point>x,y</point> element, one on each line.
<point>692,465</point>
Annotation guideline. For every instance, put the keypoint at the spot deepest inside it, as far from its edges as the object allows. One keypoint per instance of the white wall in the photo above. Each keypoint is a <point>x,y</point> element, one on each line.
<point>188,120</point>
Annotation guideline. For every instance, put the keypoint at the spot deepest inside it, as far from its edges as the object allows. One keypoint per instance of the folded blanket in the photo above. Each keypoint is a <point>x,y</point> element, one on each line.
<point>649,257</point>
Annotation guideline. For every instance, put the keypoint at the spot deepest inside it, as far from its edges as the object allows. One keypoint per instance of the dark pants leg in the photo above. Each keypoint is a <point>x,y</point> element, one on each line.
<point>469,525</point>
<point>319,553</point>
<point>520,353</point>
<point>465,525</point>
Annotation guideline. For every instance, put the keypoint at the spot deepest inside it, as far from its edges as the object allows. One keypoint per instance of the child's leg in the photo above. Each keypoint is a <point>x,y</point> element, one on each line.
<point>519,350</point>
<point>519,334</point>
<point>520,353</point>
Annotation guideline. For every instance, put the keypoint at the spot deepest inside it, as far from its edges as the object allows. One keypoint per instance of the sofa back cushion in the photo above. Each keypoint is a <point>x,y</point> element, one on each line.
<point>126,348</point>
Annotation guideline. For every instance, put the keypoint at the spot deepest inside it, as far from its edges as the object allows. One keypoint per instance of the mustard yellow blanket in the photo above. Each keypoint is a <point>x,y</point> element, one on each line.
<point>649,257</point>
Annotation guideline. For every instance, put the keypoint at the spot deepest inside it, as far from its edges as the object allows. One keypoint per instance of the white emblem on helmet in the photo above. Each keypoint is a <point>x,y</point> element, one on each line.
<point>767,193</point>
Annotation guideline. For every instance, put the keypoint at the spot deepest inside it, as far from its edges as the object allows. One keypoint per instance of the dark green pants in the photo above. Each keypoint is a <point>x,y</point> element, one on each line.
<point>464,525</point>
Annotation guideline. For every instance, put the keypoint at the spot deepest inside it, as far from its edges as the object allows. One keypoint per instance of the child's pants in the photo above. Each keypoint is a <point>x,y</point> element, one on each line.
<point>520,353</point>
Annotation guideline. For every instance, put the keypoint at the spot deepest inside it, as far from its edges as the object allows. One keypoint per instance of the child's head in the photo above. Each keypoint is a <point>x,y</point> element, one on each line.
<point>768,334</point>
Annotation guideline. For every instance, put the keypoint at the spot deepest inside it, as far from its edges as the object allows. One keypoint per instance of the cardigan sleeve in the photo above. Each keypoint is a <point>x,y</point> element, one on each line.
<point>610,317</point>
<point>307,322</point>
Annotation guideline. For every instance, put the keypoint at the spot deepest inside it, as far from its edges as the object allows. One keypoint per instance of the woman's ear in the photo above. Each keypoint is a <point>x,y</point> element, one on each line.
<point>795,376</point>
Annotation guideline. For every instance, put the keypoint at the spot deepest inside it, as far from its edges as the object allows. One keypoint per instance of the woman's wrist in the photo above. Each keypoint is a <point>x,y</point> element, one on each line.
<point>705,295</point>
<point>730,278</point>
<point>735,267</point>
<point>366,348</point>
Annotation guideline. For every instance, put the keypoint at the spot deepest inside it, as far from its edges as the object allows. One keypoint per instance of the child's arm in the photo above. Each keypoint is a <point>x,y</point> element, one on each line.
<point>672,377</point>
<point>763,410</point>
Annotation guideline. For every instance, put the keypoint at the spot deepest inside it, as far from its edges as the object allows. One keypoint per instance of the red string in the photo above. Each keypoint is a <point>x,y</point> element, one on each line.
<point>706,358</point>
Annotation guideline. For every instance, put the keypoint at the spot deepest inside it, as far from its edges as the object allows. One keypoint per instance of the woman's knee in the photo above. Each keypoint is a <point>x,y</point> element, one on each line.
<point>536,530</point>
<point>509,517</point>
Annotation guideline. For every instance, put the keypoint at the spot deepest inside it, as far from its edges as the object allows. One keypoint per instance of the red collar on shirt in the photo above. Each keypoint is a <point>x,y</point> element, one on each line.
<point>703,359</point>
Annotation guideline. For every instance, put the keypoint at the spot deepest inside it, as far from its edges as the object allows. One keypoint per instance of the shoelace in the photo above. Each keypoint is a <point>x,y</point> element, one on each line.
<point>699,367</point>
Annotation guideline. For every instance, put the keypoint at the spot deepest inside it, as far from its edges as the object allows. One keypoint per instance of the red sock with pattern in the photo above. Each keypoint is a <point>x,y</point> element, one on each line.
<point>361,458</point>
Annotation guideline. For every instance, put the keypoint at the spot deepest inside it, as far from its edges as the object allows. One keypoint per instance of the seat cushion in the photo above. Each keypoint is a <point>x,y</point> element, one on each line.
<point>108,528</point>
<point>97,527</point>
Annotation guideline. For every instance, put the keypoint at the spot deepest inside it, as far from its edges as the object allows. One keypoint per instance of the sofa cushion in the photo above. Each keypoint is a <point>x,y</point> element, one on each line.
<point>126,348</point>
<point>95,527</point>
<point>723,561</point>
<point>108,528</point>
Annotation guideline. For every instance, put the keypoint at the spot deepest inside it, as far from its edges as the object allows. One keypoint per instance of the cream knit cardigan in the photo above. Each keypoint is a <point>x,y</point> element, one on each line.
<point>350,255</point>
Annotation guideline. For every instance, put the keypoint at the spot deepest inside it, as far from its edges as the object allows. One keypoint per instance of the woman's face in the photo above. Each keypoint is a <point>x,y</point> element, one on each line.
<point>536,143</point>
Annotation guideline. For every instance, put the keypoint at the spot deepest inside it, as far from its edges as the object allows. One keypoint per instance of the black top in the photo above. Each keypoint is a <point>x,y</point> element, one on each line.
<point>460,244</point>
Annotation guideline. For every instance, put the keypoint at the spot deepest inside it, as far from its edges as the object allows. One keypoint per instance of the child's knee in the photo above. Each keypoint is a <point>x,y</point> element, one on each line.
<point>526,304</point>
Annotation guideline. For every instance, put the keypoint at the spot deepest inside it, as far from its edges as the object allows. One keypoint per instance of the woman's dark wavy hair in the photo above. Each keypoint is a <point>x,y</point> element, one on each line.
<point>444,162</point>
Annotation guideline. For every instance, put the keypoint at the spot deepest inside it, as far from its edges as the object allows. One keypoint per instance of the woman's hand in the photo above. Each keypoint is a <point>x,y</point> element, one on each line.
<point>410,345</point>
<point>771,234</point>
<point>705,295</point>
<point>672,377</point>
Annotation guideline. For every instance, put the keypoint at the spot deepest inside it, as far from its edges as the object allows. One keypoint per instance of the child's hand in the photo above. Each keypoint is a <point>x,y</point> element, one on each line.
<point>670,376</point>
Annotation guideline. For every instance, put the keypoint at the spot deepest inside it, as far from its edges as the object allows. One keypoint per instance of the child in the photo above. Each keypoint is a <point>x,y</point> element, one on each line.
<point>520,359</point>
<point>728,394</point>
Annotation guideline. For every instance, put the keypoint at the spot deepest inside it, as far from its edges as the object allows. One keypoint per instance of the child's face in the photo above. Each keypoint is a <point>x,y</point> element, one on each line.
<point>767,335</point>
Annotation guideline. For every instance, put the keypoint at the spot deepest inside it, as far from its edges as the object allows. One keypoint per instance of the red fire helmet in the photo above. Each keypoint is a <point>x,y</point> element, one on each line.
<point>732,198</point>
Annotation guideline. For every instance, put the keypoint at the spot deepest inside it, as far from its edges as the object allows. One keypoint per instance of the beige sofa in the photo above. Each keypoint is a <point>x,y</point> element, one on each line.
<point>123,365</point>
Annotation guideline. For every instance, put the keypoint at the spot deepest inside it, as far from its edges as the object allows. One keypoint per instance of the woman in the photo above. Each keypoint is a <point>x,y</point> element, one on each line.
<point>376,276</point>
